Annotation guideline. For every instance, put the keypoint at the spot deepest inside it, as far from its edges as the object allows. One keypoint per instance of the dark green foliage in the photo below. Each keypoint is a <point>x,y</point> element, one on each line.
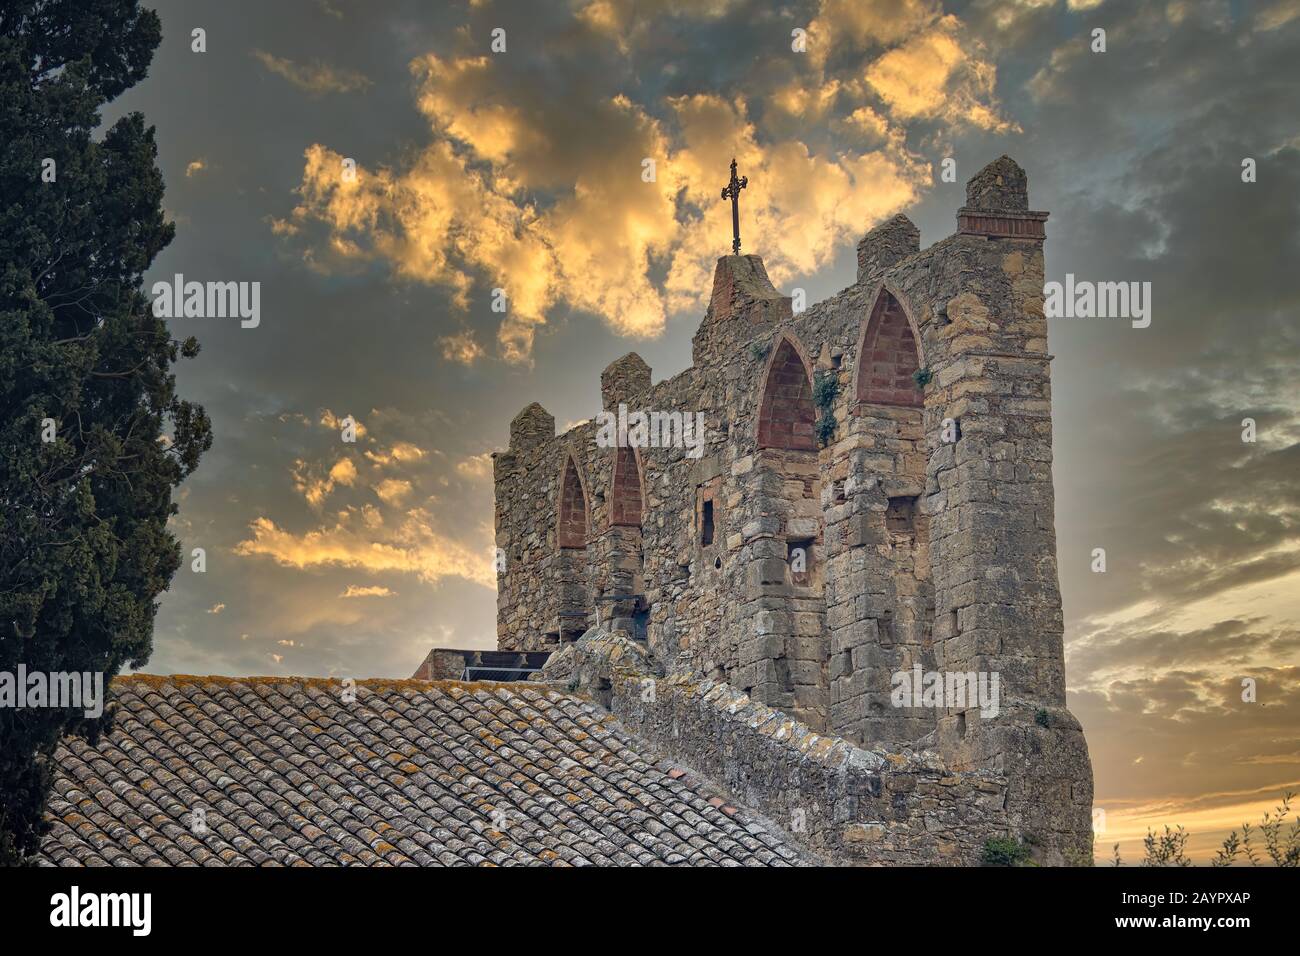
<point>826,385</point>
<point>922,377</point>
<point>1042,718</point>
<point>825,427</point>
<point>1005,851</point>
<point>758,351</point>
<point>84,547</point>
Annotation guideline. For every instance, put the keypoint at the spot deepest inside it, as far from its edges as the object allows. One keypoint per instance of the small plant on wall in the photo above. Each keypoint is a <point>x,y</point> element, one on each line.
<point>825,428</point>
<point>826,385</point>
<point>1006,851</point>
<point>922,377</point>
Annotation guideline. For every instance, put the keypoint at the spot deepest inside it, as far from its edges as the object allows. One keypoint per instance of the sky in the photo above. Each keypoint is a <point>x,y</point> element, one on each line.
<point>523,169</point>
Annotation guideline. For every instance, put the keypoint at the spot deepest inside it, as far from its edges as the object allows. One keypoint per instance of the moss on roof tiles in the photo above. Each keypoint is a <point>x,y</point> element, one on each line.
<point>381,773</point>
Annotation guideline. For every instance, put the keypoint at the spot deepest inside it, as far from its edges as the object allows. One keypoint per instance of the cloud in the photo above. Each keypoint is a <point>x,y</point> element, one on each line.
<point>933,75</point>
<point>602,199</point>
<point>1202,530</point>
<point>413,546</point>
<point>216,609</point>
<point>398,453</point>
<point>477,467</point>
<point>329,420</point>
<point>393,490</point>
<point>314,488</point>
<point>461,348</point>
<point>194,167</point>
<point>1277,14</point>
<point>438,222</point>
<point>625,21</point>
<point>356,591</point>
<point>807,208</point>
<point>841,24</point>
<point>315,78</point>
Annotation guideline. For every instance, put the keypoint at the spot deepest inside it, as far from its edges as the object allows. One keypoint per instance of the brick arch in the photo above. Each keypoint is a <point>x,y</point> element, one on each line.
<point>627,491</point>
<point>785,411</point>
<point>571,506</point>
<point>889,351</point>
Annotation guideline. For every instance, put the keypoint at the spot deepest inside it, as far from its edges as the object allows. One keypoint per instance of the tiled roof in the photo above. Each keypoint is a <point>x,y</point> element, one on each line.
<point>412,772</point>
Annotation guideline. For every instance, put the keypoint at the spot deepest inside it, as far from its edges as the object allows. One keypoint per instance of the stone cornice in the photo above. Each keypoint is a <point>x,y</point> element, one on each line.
<point>1001,223</point>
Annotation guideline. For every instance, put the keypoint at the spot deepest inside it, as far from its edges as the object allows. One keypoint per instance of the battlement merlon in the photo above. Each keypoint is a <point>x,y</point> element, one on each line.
<point>624,379</point>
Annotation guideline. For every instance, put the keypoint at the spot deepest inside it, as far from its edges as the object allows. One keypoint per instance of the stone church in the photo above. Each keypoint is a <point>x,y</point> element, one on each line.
<point>873,501</point>
<point>826,629</point>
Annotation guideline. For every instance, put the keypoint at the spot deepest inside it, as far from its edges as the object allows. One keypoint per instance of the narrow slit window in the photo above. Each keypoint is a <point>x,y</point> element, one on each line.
<point>706,523</point>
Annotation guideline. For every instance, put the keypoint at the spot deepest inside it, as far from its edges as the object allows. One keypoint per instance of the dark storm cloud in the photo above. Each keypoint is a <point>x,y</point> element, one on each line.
<point>1231,643</point>
<point>1158,197</point>
<point>1138,154</point>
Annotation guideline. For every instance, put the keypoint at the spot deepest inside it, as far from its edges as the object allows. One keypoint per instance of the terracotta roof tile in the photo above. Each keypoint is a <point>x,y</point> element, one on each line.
<point>412,773</point>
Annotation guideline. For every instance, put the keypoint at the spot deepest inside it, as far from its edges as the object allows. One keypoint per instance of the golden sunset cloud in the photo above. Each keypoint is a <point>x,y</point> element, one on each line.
<point>467,212</point>
<point>393,490</point>
<point>411,547</point>
<point>461,348</point>
<point>316,488</point>
<point>356,591</point>
<point>315,78</point>
<point>477,467</point>
<point>402,451</point>
<point>932,74</point>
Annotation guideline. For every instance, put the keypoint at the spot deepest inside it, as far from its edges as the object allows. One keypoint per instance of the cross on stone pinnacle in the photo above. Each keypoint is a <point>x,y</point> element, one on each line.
<point>732,191</point>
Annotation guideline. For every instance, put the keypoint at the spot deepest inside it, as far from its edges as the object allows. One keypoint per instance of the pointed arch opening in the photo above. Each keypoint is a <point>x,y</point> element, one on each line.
<point>571,513</point>
<point>786,414</point>
<point>626,498</point>
<point>888,356</point>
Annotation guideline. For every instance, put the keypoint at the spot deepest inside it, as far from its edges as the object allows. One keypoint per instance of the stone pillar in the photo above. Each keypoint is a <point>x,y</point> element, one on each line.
<point>782,646</point>
<point>879,594</point>
<point>766,618</point>
<point>618,567</point>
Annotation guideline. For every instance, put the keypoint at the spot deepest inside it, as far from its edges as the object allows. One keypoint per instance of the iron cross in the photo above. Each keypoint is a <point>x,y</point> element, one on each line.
<point>732,191</point>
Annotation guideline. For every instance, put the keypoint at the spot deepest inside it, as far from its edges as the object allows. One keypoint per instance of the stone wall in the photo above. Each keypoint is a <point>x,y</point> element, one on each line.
<point>852,805</point>
<point>805,554</point>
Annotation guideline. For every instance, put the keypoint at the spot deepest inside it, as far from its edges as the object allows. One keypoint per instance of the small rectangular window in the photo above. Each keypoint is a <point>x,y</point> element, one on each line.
<point>706,523</point>
<point>900,516</point>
